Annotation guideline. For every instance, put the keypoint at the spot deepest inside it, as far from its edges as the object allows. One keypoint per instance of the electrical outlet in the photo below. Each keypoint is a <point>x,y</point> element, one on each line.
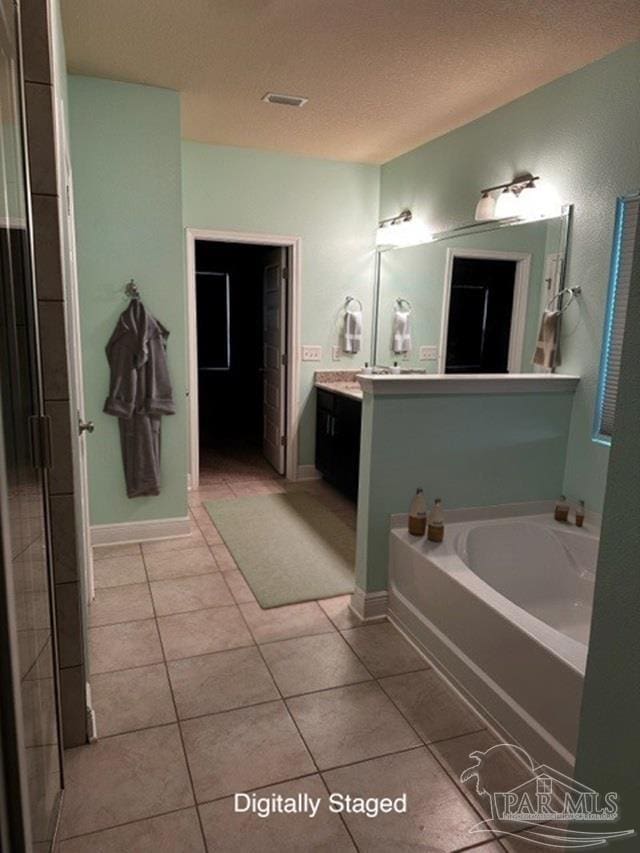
<point>311,353</point>
<point>428,353</point>
<point>336,353</point>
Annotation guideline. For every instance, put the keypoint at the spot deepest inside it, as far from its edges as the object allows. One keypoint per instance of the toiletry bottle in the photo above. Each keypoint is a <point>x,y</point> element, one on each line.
<point>366,368</point>
<point>435,530</point>
<point>561,512</point>
<point>396,368</point>
<point>580,513</point>
<point>418,514</point>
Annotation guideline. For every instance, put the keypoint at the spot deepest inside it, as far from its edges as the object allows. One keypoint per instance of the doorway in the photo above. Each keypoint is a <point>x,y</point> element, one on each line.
<point>484,312</point>
<point>241,333</point>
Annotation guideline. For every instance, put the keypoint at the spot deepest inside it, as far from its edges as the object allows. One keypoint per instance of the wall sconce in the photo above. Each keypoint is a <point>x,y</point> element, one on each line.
<point>401,230</point>
<point>520,199</point>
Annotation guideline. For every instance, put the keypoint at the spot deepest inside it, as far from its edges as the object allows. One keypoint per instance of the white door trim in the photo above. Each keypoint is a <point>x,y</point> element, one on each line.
<point>294,245</point>
<point>520,297</point>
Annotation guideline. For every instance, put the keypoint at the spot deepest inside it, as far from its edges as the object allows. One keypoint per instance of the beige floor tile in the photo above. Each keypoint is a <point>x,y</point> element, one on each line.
<point>104,552</point>
<point>514,844</point>
<point>282,623</point>
<point>118,571</point>
<point>430,705</point>
<point>248,833</point>
<point>132,699</point>
<point>162,565</point>
<point>224,558</point>
<point>175,832</point>
<point>257,487</point>
<point>240,589</point>
<point>201,632</point>
<point>438,818</point>
<point>123,778</point>
<point>383,649</point>
<point>124,646</point>
<point>179,543</point>
<point>120,604</point>
<point>206,525</point>
<point>313,663</point>
<point>198,592</point>
<point>219,682</point>
<point>338,610</point>
<point>501,770</point>
<point>210,492</point>
<point>211,535</point>
<point>243,749</point>
<point>350,724</point>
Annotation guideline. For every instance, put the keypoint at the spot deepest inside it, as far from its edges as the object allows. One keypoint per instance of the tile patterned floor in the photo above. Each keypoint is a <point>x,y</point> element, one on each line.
<point>199,693</point>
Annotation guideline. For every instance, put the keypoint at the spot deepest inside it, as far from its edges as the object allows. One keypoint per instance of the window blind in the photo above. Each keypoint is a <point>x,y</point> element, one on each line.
<point>627,233</point>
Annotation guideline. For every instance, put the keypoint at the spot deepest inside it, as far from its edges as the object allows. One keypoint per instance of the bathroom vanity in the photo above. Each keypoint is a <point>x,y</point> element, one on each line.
<point>338,419</point>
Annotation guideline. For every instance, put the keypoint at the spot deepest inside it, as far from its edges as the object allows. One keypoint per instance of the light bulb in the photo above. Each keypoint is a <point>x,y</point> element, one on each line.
<point>486,208</point>
<point>507,205</point>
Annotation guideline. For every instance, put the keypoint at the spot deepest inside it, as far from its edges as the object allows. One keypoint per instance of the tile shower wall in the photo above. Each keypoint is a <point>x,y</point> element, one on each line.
<point>581,133</point>
<point>46,206</point>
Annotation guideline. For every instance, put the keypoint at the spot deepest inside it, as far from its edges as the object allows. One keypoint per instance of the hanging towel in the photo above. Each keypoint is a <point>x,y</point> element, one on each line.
<point>352,331</point>
<point>546,354</point>
<point>401,331</point>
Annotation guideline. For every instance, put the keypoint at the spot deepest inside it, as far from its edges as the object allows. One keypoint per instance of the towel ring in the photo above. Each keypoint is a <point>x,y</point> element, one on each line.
<point>349,300</point>
<point>400,301</point>
<point>573,293</point>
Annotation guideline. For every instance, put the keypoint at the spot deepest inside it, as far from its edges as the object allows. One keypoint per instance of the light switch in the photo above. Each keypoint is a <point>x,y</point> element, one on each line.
<point>311,353</point>
<point>428,353</point>
<point>336,353</point>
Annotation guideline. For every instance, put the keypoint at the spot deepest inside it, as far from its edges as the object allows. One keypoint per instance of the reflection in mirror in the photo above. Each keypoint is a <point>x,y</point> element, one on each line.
<point>471,300</point>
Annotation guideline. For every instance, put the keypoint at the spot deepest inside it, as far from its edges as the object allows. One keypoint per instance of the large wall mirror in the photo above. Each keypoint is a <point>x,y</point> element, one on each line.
<point>471,300</point>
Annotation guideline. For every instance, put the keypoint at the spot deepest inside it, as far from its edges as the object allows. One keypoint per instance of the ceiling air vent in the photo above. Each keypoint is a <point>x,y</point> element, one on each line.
<point>285,100</point>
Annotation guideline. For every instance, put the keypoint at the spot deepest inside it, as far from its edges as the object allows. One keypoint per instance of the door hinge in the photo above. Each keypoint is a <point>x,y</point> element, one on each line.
<point>40,432</point>
<point>283,359</point>
<point>285,273</point>
<point>283,440</point>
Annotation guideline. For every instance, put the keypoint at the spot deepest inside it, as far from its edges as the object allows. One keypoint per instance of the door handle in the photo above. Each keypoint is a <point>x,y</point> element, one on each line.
<point>85,426</point>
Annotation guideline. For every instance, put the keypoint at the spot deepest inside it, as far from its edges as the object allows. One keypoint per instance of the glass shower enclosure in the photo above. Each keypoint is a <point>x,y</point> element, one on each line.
<point>30,755</point>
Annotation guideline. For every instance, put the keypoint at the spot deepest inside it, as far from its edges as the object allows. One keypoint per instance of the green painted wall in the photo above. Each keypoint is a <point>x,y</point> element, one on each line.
<point>608,745</point>
<point>581,133</point>
<point>332,206</point>
<point>125,146</point>
<point>470,450</point>
<point>417,274</point>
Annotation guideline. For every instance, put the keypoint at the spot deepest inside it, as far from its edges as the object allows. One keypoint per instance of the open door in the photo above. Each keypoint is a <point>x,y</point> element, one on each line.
<point>274,369</point>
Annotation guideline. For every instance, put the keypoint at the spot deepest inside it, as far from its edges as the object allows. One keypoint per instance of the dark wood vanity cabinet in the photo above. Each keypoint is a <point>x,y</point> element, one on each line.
<point>338,440</point>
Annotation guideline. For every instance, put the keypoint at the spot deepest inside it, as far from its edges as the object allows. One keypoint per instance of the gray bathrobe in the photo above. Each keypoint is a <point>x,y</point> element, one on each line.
<point>139,394</point>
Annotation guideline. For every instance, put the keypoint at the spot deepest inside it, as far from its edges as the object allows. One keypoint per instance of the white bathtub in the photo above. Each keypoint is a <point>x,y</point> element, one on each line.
<point>504,608</point>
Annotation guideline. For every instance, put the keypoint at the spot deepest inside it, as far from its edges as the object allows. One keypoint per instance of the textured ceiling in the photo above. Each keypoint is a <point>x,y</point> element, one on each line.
<point>382,76</point>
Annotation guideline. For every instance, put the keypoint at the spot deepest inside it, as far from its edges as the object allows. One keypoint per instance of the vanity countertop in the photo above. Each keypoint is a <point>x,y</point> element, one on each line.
<point>342,382</point>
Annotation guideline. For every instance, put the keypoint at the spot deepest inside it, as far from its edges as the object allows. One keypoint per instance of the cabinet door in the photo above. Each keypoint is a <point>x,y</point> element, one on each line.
<point>346,443</point>
<point>323,440</point>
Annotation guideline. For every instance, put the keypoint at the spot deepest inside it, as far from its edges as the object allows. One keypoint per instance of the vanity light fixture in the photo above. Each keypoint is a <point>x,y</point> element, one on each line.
<point>401,230</point>
<point>486,207</point>
<point>517,199</point>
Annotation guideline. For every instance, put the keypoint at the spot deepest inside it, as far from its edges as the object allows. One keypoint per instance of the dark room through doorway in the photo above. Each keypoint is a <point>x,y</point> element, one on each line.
<point>241,318</point>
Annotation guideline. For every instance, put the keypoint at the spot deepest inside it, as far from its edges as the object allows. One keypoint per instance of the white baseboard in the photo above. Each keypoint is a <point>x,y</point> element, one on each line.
<point>308,472</point>
<point>369,606</point>
<point>139,531</point>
